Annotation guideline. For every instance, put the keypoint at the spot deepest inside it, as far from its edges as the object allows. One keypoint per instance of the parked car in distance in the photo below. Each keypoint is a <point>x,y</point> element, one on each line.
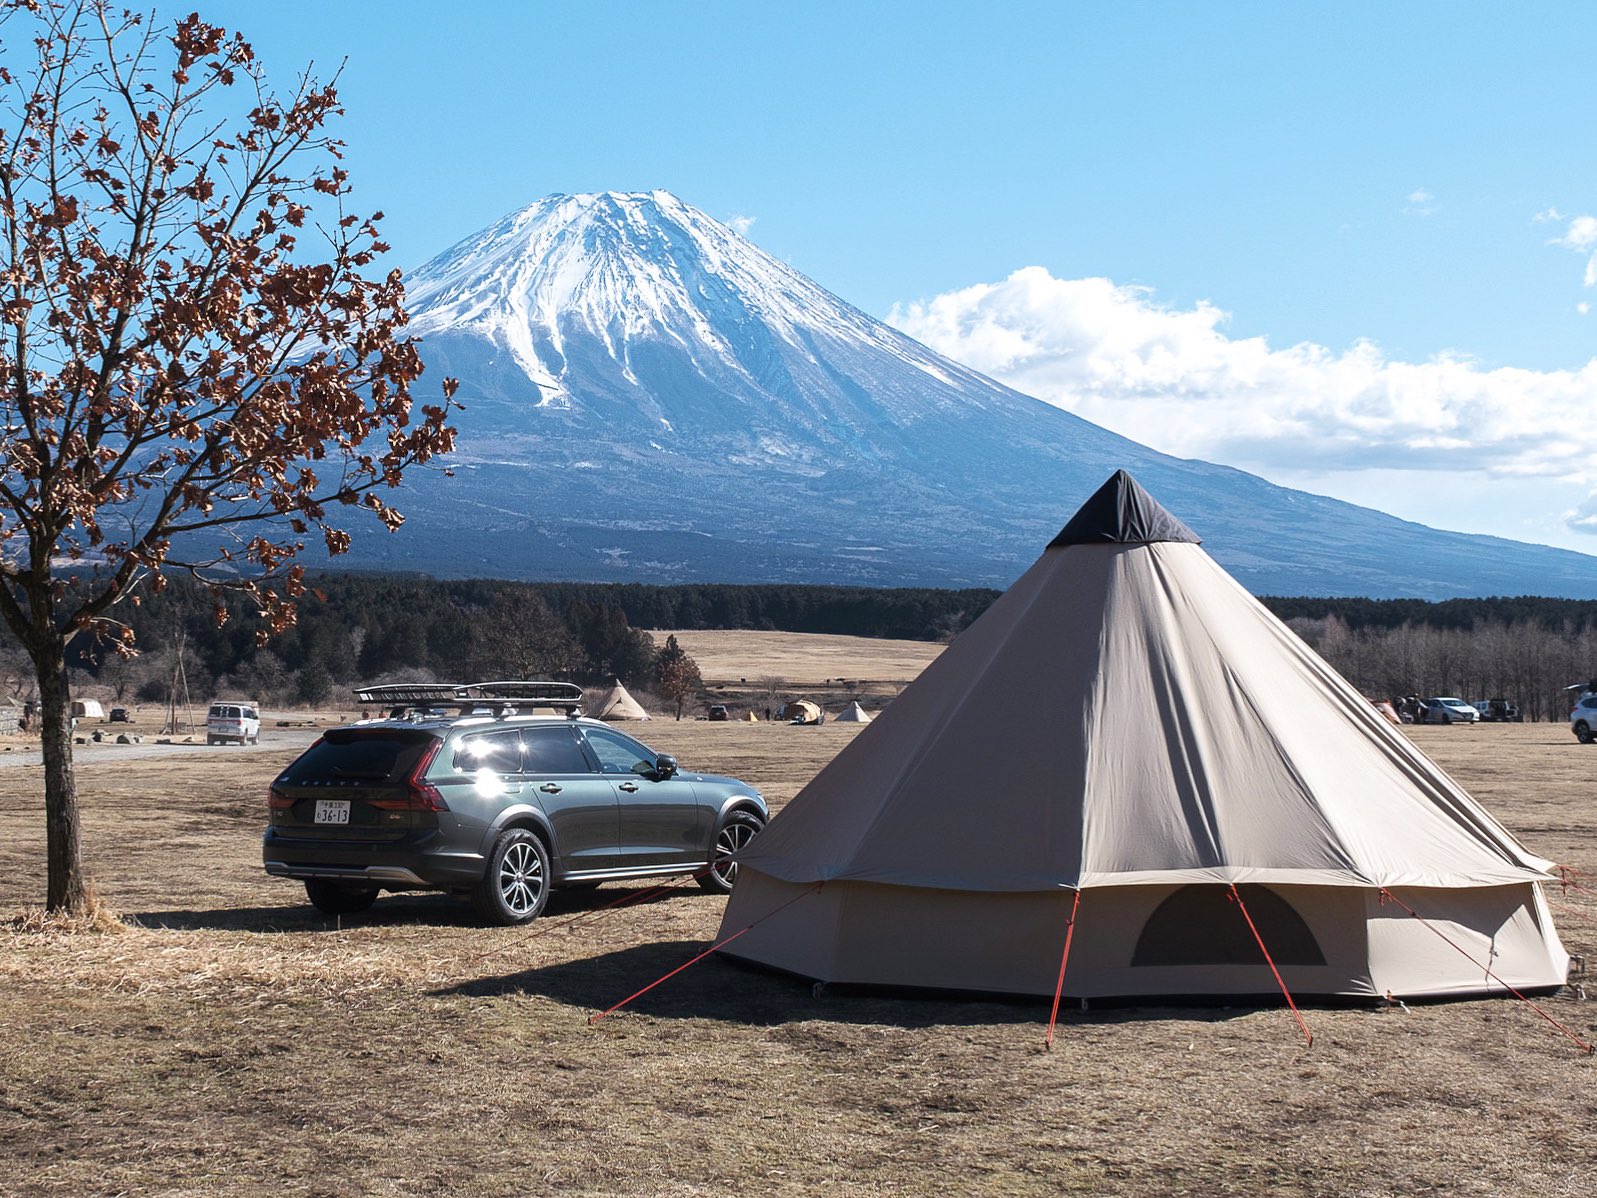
<point>1583,720</point>
<point>1499,711</point>
<point>119,715</point>
<point>1447,709</point>
<point>496,799</point>
<point>235,720</point>
<point>718,712</point>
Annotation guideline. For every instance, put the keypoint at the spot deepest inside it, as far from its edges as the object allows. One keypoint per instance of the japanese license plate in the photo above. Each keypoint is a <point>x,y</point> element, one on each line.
<point>332,811</point>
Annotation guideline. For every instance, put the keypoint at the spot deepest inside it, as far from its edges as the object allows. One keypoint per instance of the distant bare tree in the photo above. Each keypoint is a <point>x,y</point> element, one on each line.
<point>677,675</point>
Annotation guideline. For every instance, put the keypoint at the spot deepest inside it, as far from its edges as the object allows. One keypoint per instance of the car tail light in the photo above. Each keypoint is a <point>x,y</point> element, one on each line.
<point>276,800</point>
<point>420,795</point>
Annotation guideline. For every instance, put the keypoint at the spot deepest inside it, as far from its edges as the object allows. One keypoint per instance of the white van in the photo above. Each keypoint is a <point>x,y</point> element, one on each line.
<point>233,721</point>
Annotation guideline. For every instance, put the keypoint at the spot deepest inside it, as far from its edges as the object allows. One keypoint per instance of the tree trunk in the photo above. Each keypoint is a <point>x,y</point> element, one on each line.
<point>65,889</point>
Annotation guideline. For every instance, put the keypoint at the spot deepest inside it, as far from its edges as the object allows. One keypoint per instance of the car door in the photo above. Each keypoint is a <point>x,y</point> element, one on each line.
<point>662,821</point>
<point>581,804</point>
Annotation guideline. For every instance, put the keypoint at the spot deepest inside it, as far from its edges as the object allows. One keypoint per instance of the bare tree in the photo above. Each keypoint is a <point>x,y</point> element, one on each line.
<point>677,675</point>
<point>195,373</point>
<point>517,636</point>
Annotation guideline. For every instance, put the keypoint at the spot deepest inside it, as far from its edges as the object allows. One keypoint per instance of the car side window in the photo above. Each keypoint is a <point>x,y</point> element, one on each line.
<point>552,751</point>
<point>619,754</point>
<point>496,751</point>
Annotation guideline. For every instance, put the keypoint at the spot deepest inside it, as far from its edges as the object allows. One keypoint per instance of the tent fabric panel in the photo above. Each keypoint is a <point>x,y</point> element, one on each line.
<point>1505,928</point>
<point>868,934</point>
<point>1169,725</point>
<point>1176,746</point>
<point>1006,814</point>
<point>790,927</point>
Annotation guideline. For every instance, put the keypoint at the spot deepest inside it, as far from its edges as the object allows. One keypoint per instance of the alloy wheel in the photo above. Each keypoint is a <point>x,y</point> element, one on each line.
<point>521,878</point>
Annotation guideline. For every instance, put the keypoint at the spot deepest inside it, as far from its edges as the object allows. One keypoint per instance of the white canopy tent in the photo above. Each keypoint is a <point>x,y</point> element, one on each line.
<point>854,714</point>
<point>1176,740</point>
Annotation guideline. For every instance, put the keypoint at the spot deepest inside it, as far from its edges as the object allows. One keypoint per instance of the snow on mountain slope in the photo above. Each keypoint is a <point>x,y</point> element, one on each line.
<point>652,397</point>
<point>623,268</point>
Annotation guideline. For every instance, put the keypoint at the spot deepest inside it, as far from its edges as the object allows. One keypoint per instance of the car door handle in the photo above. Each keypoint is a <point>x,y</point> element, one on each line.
<point>629,787</point>
<point>549,788</point>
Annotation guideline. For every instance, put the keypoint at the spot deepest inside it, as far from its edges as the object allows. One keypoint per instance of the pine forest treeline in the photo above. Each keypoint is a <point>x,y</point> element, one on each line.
<point>366,627</point>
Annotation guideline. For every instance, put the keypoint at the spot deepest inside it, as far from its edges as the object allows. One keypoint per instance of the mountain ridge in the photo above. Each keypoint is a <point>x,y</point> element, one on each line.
<point>650,396</point>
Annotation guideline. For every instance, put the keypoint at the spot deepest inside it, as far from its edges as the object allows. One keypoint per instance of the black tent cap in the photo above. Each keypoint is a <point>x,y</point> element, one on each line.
<point>1121,511</point>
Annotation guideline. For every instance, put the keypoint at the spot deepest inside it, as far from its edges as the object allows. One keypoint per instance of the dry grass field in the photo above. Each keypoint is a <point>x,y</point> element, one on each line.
<point>234,1042</point>
<point>804,660</point>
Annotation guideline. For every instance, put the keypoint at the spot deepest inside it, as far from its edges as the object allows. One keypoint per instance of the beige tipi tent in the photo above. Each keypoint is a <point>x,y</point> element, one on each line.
<point>1179,750</point>
<point>618,704</point>
<point>854,714</point>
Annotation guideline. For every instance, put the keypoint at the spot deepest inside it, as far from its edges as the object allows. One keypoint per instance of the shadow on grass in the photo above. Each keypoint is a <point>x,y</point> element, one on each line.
<point>391,910</point>
<point>733,991</point>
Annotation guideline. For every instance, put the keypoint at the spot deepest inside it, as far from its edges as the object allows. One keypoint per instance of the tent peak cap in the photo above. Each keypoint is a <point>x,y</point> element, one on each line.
<point>1121,512</point>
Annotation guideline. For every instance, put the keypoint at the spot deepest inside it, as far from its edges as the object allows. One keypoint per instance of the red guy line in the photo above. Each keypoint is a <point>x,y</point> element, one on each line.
<point>593,1019</point>
<point>1307,1035</point>
<point>1059,987</point>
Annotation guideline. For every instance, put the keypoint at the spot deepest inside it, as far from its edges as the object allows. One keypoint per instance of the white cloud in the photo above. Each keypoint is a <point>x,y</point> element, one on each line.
<point>1420,203</point>
<point>1580,235</point>
<point>1173,379</point>
<point>742,223</point>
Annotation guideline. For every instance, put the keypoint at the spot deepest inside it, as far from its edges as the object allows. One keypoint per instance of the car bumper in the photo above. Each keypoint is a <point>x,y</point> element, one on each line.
<point>417,862</point>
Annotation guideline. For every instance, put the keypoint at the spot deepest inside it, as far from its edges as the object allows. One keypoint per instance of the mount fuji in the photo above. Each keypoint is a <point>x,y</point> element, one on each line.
<point>652,398</point>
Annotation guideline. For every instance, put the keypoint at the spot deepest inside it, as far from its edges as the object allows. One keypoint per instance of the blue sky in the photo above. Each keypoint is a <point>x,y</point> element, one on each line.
<point>1359,203</point>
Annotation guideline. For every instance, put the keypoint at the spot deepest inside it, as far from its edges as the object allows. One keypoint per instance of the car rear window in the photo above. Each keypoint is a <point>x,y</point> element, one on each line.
<point>345,755</point>
<point>499,752</point>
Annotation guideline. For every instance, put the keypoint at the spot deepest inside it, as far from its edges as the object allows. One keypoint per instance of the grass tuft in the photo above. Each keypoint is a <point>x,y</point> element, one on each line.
<point>96,917</point>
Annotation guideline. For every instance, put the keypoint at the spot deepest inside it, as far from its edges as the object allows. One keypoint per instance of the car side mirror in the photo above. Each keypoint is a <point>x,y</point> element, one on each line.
<point>665,766</point>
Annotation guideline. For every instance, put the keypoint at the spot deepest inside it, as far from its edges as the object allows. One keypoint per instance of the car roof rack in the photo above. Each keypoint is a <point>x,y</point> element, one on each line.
<point>407,699</point>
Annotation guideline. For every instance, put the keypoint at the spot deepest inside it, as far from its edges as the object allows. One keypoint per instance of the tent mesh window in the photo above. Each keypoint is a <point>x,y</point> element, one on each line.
<point>1200,925</point>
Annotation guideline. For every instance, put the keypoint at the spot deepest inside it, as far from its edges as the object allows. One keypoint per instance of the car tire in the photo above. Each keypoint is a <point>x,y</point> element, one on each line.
<point>515,886</point>
<point>1447,717</point>
<point>1583,733</point>
<point>740,828</point>
<point>331,898</point>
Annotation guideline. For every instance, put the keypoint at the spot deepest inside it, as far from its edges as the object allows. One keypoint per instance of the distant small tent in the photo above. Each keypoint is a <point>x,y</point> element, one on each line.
<point>87,709</point>
<point>618,704</point>
<point>801,711</point>
<point>854,714</point>
<point>752,718</point>
<point>1183,768</point>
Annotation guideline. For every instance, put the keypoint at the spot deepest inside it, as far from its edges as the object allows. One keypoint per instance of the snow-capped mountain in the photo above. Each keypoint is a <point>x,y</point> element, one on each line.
<point>651,397</point>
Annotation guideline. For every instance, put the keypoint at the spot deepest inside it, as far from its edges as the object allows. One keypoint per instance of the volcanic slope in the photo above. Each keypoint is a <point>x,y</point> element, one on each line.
<point>651,397</point>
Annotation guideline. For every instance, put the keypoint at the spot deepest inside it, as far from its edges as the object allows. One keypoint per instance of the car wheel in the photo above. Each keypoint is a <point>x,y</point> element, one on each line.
<point>740,828</point>
<point>1447,717</point>
<point>1583,733</point>
<point>516,885</point>
<point>210,740</point>
<point>330,898</point>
